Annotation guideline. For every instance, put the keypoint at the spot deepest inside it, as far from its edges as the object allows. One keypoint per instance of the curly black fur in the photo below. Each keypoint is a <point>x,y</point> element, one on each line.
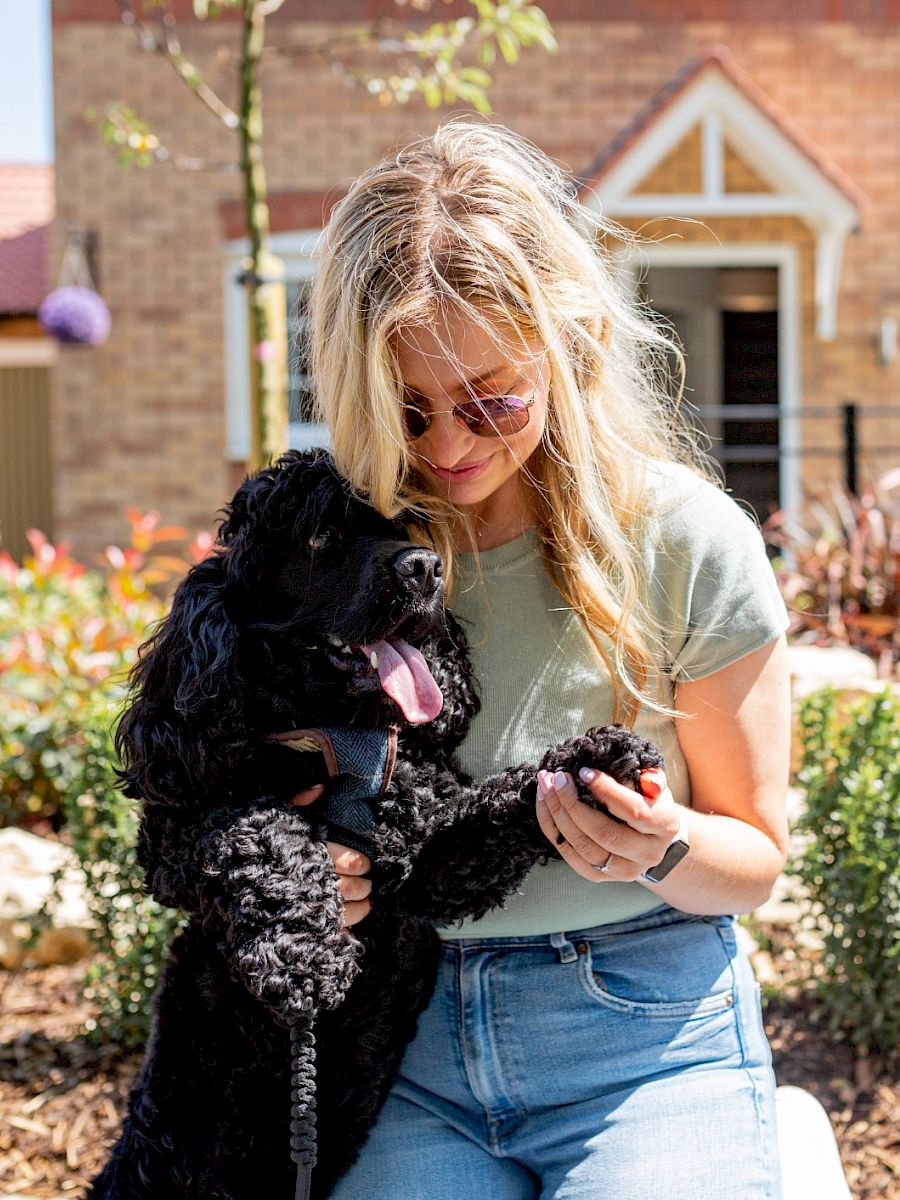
<point>243,653</point>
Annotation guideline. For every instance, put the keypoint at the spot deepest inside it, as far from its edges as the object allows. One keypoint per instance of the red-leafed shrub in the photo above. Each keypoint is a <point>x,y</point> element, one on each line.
<point>69,634</point>
<point>838,567</point>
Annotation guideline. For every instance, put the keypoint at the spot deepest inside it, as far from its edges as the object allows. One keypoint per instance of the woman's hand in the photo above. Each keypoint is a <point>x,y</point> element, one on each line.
<point>591,842</point>
<point>351,867</point>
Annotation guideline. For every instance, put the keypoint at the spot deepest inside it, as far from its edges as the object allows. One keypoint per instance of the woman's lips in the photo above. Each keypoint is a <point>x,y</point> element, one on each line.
<point>460,473</point>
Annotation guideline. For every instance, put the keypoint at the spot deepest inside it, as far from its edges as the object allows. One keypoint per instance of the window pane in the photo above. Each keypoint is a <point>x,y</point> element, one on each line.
<point>299,383</point>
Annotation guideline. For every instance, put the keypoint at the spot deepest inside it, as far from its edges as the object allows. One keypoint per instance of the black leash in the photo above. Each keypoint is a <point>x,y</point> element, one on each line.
<point>303,1103</point>
<point>360,763</point>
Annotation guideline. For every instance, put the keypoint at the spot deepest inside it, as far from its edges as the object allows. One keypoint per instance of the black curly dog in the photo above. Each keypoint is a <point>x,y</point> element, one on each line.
<point>266,636</point>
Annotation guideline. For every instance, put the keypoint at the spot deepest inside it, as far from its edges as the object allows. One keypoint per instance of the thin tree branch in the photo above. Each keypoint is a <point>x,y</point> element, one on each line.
<point>355,40</point>
<point>186,162</point>
<point>170,50</point>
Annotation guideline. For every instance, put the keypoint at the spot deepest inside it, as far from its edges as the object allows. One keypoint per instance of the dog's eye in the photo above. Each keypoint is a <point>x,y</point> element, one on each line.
<point>321,539</point>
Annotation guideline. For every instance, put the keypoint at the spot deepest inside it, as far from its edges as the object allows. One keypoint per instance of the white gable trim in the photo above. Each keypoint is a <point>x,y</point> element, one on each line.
<point>713,161</point>
<point>724,113</point>
<point>298,253</point>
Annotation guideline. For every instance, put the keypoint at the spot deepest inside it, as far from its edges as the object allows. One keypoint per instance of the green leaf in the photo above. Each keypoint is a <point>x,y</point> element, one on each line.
<point>847,867</point>
<point>508,44</point>
<point>487,53</point>
<point>433,95</point>
<point>475,75</point>
<point>476,96</point>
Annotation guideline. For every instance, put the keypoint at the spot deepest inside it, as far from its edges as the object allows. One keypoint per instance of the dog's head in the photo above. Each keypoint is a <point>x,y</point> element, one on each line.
<point>318,575</point>
<point>313,610</point>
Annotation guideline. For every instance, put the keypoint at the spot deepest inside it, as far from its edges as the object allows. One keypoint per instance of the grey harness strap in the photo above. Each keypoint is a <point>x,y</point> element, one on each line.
<point>360,762</point>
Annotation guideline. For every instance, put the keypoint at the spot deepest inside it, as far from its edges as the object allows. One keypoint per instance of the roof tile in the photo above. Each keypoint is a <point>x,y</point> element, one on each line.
<point>26,212</point>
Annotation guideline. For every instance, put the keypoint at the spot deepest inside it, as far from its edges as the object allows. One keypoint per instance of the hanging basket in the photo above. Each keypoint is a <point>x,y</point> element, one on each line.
<point>76,316</point>
<point>74,313</point>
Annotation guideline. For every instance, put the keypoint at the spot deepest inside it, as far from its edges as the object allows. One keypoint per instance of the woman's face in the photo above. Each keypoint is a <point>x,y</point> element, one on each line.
<point>473,472</point>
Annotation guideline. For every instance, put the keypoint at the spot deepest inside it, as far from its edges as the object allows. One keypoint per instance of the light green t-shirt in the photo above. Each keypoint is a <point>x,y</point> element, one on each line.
<point>540,682</point>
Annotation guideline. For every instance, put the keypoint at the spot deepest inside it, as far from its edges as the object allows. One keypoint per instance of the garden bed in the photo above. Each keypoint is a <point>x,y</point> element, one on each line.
<point>61,1103</point>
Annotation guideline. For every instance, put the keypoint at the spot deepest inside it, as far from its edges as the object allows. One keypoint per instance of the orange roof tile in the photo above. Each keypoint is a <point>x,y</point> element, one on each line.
<point>26,212</point>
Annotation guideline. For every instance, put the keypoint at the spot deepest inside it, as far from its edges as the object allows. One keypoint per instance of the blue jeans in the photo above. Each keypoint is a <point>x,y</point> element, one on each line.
<point>624,1061</point>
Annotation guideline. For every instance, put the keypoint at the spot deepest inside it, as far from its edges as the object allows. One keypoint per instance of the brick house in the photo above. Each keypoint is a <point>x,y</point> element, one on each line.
<point>758,145</point>
<point>27,355</point>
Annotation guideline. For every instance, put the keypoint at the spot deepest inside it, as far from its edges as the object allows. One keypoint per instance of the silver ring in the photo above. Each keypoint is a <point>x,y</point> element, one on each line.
<point>605,867</point>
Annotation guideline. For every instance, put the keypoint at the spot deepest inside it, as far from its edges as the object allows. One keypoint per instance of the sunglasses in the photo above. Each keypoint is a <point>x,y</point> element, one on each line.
<point>488,416</point>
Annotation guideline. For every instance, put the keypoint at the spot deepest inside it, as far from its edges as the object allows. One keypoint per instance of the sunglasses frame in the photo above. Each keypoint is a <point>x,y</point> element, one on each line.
<point>490,429</point>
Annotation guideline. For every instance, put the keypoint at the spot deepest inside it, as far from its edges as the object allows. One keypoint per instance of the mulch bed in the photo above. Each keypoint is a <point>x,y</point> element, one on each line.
<point>61,1103</point>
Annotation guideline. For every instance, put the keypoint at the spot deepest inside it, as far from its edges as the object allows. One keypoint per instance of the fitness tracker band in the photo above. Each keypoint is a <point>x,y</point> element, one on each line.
<point>673,856</point>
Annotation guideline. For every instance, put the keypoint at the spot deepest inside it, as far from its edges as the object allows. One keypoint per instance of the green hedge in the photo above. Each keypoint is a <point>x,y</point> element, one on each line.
<point>132,932</point>
<point>69,635</point>
<point>850,862</point>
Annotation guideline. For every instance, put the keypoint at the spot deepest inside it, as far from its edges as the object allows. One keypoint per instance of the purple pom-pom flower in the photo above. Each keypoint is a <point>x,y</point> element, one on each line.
<point>75,315</point>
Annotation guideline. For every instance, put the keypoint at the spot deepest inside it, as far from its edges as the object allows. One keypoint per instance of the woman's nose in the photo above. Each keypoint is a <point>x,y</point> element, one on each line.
<point>445,440</point>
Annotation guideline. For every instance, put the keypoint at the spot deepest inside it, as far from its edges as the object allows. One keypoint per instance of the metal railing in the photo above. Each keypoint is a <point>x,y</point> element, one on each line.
<point>849,451</point>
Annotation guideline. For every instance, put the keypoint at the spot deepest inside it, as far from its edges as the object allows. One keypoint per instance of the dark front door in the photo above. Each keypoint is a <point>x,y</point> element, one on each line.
<point>749,447</point>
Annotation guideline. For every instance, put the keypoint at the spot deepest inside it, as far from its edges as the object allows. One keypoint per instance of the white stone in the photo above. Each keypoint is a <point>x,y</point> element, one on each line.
<point>847,671</point>
<point>810,1160</point>
<point>836,665</point>
<point>27,864</point>
<point>847,689</point>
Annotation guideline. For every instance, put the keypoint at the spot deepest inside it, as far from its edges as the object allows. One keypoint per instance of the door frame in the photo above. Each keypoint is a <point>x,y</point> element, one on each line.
<point>786,259</point>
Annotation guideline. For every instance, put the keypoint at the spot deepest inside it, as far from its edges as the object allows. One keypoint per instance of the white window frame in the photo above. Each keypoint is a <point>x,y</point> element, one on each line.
<point>298,250</point>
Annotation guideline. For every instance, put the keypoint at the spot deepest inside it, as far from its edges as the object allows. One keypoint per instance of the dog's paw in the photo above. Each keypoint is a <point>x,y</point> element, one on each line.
<point>612,749</point>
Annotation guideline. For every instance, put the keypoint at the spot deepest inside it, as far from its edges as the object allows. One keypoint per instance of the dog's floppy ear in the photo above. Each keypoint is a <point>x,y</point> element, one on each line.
<point>188,692</point>
<point>201,659</point>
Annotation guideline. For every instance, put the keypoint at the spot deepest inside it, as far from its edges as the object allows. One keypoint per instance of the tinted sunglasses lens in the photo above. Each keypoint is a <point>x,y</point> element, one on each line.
<point>414,421</point>
<point>494,415</point>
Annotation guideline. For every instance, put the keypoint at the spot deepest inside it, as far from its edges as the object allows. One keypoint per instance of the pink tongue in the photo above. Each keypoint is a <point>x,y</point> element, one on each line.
<point>405,677</point>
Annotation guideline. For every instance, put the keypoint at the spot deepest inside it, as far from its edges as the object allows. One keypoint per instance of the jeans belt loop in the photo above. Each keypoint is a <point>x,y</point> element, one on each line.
<point>563,947</point>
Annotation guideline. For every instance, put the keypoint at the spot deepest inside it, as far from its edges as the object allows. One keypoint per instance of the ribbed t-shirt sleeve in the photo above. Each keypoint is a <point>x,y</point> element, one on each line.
<point>712,586</point>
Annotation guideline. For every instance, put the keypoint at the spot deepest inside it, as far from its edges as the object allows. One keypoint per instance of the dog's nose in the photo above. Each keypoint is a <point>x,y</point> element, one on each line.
<point>421,568</point>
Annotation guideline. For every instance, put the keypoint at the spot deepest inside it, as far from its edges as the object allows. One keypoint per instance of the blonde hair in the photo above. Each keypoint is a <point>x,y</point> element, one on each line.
<point>476,219</point>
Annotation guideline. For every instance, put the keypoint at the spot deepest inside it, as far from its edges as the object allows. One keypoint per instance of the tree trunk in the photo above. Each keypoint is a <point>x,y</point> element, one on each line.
<point>263,273</point>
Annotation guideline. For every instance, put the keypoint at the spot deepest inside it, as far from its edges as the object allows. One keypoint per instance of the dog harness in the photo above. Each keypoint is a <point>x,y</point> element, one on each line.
<point>360,763</point>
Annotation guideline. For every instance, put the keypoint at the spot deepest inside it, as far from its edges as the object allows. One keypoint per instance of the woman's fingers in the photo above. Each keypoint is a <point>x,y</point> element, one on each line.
<point>351,867</point>
<point>651,811</point>
<point>590,855</point>
<point>355,910</point>
<point>585,837</point>
<point>347,861</point>
<point>586,829</point>
<point>307,796</point>
<point>589,840</point>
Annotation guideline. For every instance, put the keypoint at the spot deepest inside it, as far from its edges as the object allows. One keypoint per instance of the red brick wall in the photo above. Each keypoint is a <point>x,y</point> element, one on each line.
<point>141,420</point>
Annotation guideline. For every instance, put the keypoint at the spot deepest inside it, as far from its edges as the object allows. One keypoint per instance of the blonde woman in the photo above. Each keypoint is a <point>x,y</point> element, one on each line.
<point>484,372</point>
